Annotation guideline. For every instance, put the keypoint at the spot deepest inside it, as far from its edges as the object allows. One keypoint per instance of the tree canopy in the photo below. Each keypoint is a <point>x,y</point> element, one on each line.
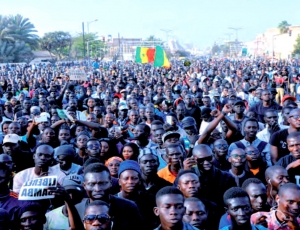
<point>17,38</point>
<point>283,27</point>
<point>58,42</point>
<point>297,46</point>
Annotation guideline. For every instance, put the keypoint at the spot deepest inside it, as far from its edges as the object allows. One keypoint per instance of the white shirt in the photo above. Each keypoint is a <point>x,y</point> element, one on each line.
<point>265,135</point>
<point>29,174</point>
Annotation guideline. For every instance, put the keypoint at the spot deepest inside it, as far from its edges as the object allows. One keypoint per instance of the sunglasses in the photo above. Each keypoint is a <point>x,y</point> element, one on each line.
<point>202,160</point>
<point>254,152</point>
<point>102,218</point>
<point>225,146</point>
<point>91,146</point>
<point>236,156</point>
<point>104,139</point>
<point>296,117</point>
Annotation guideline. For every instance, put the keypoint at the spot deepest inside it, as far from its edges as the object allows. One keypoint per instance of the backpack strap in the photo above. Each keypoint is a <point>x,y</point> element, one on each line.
<point>261,146</point>
<point>240,145</point>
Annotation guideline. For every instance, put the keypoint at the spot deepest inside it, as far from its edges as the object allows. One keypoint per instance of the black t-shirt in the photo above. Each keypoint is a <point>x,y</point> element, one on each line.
<point>278,139</point>
<point>260,110</point>
<point>195,112</point>
<point>294,173</point>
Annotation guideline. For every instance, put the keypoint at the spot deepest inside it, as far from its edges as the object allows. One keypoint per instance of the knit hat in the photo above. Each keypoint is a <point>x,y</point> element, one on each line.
<point>129,165</point>
<point>65,150</point>
<point>147,151</point>
<point>74,182</point>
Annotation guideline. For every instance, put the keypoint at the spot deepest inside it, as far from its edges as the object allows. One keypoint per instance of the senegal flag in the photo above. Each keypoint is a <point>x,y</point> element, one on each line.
<point>144,55</point>
<point>160,58</point>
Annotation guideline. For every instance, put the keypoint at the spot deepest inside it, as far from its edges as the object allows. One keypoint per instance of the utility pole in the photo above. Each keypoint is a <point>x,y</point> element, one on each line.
<point>236,29</point>
<point>229,36</point>
<point>167,34</point>
<point>83,40</point>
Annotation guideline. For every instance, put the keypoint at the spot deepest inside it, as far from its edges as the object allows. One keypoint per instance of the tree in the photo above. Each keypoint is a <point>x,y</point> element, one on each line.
<point>225,49</point>
<point>215,49</point>
<point>77,47</point>
<point>17,39</point>
<point>58,42</point>
<point>283,27</point>
<point>152,38</point>
<point>297,46</point>
<point>23,30</point>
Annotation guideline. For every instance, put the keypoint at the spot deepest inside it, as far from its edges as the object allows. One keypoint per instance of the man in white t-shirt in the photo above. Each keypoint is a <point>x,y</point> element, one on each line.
<point>43,157</point>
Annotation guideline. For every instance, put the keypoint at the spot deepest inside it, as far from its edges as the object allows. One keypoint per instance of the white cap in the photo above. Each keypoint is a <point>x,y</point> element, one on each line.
<point>11,138</point>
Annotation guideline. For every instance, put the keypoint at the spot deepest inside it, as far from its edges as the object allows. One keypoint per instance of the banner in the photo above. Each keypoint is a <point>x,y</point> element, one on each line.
<point>77,75</point>
<point>36,189</point>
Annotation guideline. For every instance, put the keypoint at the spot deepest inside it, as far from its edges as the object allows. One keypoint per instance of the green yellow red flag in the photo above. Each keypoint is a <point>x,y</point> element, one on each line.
<point>160,59</point>
<point>144,55</point>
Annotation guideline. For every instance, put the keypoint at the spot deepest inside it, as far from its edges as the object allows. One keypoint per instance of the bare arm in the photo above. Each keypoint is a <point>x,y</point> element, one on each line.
<point>211,126</point>
<point>73,216</point>
<point>58,123</point>
<point>91,125</point>
<point>274,154</point>
<point>61,95</point>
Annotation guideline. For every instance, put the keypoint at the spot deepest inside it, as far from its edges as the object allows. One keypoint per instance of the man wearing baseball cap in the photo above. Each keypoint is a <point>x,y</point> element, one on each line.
<point>123,111</point>
<point>58,218</point>
<point>287,99</point>
<point>11,146</point>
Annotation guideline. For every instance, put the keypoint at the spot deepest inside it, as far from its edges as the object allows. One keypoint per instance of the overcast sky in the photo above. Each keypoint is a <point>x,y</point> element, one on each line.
<point>195,21</point>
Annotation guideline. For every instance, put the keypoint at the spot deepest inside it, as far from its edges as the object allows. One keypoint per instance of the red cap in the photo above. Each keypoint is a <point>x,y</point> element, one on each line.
<point>288,97</point>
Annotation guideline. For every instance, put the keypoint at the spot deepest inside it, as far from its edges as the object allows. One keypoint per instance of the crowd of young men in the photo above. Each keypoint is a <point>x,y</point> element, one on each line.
<point>215,145</point>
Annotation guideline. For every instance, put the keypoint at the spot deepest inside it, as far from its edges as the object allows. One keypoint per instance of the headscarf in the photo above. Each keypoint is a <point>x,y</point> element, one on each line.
<point>111,159</point>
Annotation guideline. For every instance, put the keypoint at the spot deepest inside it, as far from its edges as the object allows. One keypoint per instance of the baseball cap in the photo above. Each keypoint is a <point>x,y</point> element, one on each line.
<point>73,182</point>
<point>123,107</point>
<point>288,97</point>
<point>251,89</point>
<point>239,102</point>
<point>11,138</point>
<point>170,134</point>
<point>188,122</point>
<point>147,151</point>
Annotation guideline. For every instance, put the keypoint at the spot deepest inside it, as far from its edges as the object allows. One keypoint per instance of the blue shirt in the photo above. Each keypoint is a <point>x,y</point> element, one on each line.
<point>265,152</point>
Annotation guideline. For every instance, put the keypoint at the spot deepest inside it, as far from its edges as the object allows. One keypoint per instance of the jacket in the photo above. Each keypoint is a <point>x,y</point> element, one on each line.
<point>124,212</point>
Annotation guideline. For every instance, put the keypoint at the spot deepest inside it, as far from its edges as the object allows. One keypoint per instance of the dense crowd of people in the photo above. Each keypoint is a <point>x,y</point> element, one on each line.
<point>213,145</point>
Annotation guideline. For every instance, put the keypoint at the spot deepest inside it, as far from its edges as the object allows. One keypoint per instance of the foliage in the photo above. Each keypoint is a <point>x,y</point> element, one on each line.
<point>182,53</point>
<point>58,42</point>
<point>225,49</point>
<point>283,27</point>
<point>97,48</point>
<point>215,49</point>
<point>17,39</point>
<point>297,46</point>
<point>152,38</point>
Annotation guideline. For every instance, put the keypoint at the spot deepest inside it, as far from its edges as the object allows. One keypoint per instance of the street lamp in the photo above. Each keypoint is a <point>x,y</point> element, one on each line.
<point>229,36</point>
<point>236,29</point>
<point>88,49</point>
<point>167,34</point>
<point>88,25</point>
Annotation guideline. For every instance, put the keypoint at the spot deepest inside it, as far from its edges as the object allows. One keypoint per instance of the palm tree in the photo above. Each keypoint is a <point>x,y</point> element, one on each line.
<point>5,29</point>
<point>283,27</point>
<point>22,29</point>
